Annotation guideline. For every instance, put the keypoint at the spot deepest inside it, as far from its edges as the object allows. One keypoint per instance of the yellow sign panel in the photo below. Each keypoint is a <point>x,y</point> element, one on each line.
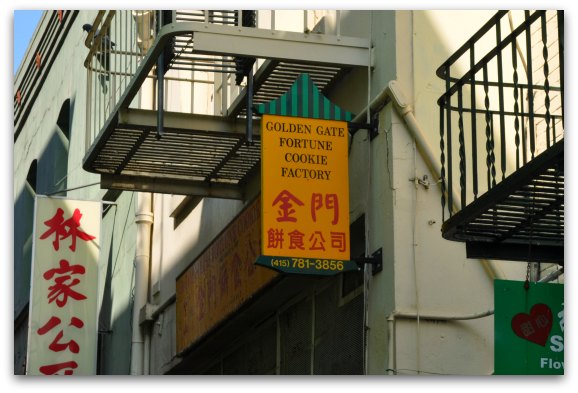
<point>305,194</point>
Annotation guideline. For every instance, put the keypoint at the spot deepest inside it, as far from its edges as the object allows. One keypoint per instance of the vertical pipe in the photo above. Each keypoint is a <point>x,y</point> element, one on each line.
<point>250,107</point>
<point>501,103</point>
<point>338,24</point>
<point>530,86</point>
<point>443,162</point>
<point>147,351</point>
<point>474,123</point>
<point>391,366</point>
<point>312,361</point>
<point>462,149</point>
<point>560,16</point>
<point>88,121</point>
<point>225,93</point>
<point>516,106</point>
<point>489,146</point>
<point>160,87</point>
<point>546,69</point>
<point>524,132</point>
<point>143,221</point>
<point>161,96</point>
<point>449,143</point>
<point>277,344</point>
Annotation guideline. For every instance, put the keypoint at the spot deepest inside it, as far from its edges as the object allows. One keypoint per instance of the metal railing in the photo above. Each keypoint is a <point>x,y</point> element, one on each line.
<point>192,82</point>
<point>117,43</point>
<point>506,108</point>
<point>188,81</point>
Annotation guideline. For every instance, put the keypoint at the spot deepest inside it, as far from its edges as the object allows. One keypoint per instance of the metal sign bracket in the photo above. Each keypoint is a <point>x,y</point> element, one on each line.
<point>375,260</point>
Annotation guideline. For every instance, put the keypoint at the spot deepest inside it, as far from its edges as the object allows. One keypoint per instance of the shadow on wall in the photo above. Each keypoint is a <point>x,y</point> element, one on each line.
<point>45,175</point>
<point>117,280</point>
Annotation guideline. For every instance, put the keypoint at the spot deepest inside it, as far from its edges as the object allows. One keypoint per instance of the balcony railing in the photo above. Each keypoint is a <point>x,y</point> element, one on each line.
<point>117,43</point>
<point>191,70</point>
<point>502,132</point>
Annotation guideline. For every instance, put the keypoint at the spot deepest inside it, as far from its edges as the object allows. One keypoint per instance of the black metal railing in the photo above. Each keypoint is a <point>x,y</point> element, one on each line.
<point>506,108</point>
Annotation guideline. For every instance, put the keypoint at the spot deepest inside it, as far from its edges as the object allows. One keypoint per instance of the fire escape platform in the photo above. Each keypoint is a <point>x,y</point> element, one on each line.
<point>197,154</point>
<point>208,155</point>
<point>502,139</point>
<point>521,218</point>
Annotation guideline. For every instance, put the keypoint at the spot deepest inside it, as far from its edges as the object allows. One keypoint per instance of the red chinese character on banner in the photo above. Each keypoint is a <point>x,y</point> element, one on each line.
<point>56,345</point>
<point>317,241</point>
<point>63,229</point>
<point>338,241</point>
<point>286,207</point>
<point>331,202</point>
<point>296,240</point>
<point>275,238</point>
<point>62,288</point>
<point>54,368</point>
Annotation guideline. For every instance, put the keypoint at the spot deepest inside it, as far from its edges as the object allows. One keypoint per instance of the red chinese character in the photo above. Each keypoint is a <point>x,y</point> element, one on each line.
<point>201,301</point>
<point>56,345</point>
<point>54,368</point>
<point>63,229</point>
<point>236,271</point>
<point>62,288</point>
<point>285,197</point>
<point>296,240</point>
<point>338,241</point>
<point>317,240</point>
<point>251,255</point>
<point>331,202</point>
<point>275,238</point>
<point>224,281</point>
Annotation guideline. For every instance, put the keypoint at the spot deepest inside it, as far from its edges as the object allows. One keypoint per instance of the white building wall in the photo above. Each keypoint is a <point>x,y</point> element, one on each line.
<point>423,274</point>
<point>432,276</point>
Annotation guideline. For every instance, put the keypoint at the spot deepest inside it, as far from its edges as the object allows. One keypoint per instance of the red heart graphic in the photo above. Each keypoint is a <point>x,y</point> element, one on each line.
<point>534,327</point>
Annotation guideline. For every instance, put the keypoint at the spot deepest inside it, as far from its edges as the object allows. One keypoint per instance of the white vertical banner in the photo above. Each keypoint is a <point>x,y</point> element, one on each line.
<point>63,323</point>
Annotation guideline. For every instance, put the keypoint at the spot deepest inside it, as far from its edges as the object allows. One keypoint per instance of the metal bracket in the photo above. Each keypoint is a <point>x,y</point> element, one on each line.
<point>371,127</point>
<point>375,260</point>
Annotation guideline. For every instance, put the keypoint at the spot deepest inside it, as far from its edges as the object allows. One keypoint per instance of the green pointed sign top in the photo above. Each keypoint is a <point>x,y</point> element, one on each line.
<point>304,99</point>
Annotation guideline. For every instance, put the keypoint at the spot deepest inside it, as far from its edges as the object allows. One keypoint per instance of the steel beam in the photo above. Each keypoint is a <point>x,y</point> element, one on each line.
<point>282,45</point>
<point>171,186</point>
<point>146,119</point>
<point>515,252</point>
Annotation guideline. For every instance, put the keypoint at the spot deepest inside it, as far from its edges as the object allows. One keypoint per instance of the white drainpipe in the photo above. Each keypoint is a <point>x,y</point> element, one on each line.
<point>391,327</point>
<point>392,92</point>
<point>144,221</point>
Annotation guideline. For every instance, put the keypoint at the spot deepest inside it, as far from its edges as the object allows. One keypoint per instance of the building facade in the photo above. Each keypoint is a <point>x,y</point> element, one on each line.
<point>179,292</point>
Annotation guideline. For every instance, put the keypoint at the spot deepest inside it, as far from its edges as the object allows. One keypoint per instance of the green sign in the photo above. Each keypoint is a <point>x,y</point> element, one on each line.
<point>528,328</point>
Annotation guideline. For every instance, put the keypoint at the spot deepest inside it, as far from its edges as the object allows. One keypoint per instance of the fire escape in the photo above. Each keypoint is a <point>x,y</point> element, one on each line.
<point>502,139</point>
<point>145,130</point>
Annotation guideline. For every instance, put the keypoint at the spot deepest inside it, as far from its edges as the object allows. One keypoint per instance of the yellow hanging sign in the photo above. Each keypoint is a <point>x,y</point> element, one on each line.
<point>305,195</point>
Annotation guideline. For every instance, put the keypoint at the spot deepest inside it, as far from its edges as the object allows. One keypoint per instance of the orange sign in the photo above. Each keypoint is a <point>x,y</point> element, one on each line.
<point>221,279</point>
<point>305,194</point>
